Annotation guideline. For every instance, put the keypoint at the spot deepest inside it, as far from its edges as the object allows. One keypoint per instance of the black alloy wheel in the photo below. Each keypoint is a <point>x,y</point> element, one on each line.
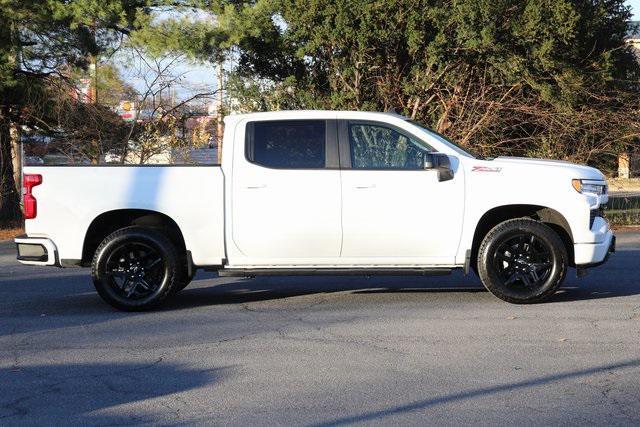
<point>136,269</point>
<point>522,261</point>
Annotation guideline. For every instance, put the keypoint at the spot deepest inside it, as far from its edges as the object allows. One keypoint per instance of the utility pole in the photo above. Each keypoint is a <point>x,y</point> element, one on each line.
<point>220,124</point>
<point>16,152</point>
<point>94,65</point>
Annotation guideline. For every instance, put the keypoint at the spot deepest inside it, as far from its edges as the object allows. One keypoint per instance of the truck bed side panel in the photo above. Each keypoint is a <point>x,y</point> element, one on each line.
<point>70,198</point>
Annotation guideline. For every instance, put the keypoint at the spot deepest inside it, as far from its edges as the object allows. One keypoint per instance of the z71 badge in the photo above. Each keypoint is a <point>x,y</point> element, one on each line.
<point>485,169</point>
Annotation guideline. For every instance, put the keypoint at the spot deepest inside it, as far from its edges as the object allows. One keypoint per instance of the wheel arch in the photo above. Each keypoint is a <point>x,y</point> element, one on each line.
<point>110,221</point>
<point>551,217</point>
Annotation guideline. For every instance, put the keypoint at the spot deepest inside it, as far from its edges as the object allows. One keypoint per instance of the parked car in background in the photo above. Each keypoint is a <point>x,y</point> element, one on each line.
<point>33,161</point>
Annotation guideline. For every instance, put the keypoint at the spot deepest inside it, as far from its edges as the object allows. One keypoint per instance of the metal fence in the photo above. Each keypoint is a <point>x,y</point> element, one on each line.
<point>623,210</point>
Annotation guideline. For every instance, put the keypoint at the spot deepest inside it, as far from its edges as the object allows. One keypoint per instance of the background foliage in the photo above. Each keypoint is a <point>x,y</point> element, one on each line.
<point>547,78</point>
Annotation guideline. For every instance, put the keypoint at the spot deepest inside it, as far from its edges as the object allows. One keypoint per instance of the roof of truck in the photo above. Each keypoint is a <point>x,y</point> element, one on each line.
<point>299,114</point>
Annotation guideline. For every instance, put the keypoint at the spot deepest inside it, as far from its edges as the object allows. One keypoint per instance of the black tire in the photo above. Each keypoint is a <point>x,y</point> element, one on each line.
<point>522,261</point>
<point>136,269</point>
<point>183,281</point>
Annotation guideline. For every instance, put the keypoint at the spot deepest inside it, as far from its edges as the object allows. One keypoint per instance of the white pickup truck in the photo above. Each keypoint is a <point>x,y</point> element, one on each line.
<point>319,192</point>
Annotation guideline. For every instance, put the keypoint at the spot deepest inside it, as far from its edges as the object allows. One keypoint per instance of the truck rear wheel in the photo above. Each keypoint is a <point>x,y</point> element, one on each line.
<point>522,261</point>
<point>136,269</point>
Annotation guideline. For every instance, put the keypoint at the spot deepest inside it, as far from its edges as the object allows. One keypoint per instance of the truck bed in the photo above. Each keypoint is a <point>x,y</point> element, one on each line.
<point>70,198</point>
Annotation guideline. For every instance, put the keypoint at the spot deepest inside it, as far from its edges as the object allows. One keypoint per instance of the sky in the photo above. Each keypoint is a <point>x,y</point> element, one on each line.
<point>635,8</point>
<point>200,77</point>
<point>195,77</point>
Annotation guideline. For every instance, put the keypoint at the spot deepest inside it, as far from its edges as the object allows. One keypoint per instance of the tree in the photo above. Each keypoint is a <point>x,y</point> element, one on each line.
<point>111,87</point>
<point>209,33</point>
<point>82,132</point>
<point>38,41</point>
<point>540,77</point>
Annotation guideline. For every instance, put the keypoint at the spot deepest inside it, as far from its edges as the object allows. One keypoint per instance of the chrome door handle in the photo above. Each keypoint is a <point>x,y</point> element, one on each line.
<point>364,186</point>
<point>255,186</point>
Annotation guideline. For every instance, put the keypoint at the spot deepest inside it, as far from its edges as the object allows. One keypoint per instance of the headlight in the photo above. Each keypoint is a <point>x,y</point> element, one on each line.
<point>590,187</point>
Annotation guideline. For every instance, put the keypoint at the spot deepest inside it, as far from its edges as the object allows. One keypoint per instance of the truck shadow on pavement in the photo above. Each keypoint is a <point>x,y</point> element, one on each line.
<point>94,392</point>
<point>618,278</point>
<point>70,291</point>
<point>259,289</point>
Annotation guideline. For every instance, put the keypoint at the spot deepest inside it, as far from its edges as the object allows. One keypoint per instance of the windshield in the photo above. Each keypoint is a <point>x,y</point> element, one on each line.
<point>457,148</point>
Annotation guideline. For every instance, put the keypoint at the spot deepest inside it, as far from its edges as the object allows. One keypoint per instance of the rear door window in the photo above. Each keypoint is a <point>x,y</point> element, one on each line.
<point>287,144</point>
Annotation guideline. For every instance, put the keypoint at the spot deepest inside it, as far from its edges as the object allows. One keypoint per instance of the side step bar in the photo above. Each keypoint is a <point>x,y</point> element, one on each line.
<point>250,272</point>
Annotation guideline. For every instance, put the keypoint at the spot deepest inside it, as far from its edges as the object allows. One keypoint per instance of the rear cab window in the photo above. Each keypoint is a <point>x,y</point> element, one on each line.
<point>287,144</point>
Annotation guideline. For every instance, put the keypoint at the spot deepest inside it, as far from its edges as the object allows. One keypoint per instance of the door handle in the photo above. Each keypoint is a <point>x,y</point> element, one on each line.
<point>364,186</point>
<point>255,186</point>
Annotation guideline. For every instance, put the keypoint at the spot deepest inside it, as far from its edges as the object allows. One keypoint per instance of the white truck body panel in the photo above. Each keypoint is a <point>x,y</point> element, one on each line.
<point>243,215</point>
<point>399,216</point>
<point>71,198</point>
<point>264,233</point>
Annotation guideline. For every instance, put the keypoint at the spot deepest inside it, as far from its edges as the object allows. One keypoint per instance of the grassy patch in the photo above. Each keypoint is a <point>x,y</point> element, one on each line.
<point>623,218</point>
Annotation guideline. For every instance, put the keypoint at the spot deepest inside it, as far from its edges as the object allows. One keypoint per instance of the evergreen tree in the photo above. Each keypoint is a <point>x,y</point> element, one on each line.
<point>38,41</point>
<point>550,78</point>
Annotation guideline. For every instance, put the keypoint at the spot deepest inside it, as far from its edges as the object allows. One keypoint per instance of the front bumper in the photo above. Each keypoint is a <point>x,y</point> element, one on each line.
<point>594,254</point>
<point>36,251</point>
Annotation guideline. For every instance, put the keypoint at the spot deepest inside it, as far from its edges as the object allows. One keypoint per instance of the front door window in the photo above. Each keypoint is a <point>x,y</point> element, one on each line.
<point>376,146</point>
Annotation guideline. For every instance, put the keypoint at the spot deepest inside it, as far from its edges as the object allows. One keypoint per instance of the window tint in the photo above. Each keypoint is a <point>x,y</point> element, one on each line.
<point>291,144</point>
<point>378,147</point>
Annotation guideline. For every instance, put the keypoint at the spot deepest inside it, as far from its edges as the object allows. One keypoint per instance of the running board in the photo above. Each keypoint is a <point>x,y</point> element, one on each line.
<point>251,272</point>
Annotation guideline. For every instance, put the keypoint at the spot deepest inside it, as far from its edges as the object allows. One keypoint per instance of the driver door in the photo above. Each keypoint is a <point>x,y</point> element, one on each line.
<point>394,212</point>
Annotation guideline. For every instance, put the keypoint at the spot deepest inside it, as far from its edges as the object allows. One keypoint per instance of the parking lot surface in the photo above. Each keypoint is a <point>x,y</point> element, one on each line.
<point>322,351</point>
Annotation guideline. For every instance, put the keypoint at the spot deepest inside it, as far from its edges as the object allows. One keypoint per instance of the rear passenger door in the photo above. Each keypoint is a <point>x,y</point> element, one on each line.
<point>286,201</point>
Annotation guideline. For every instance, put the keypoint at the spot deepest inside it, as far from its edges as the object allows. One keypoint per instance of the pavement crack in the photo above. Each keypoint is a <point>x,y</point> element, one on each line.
<point>15,408</point>
<point>608,389</point>
<point>232,339</point>
<point>339,339</point>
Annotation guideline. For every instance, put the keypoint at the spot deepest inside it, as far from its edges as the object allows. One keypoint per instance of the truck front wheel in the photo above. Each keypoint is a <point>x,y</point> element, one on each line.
<point>522,261</point>
<point>136,269</point>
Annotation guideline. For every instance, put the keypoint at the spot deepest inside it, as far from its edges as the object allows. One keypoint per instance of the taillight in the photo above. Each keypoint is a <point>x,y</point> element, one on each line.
<point>30,202</point>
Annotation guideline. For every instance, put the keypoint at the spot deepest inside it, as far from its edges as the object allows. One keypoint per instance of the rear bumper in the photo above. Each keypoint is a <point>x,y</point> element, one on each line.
<point>36,251</point>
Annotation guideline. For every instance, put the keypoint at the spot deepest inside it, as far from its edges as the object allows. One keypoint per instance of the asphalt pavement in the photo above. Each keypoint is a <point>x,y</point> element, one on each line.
<point>322,351</point>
